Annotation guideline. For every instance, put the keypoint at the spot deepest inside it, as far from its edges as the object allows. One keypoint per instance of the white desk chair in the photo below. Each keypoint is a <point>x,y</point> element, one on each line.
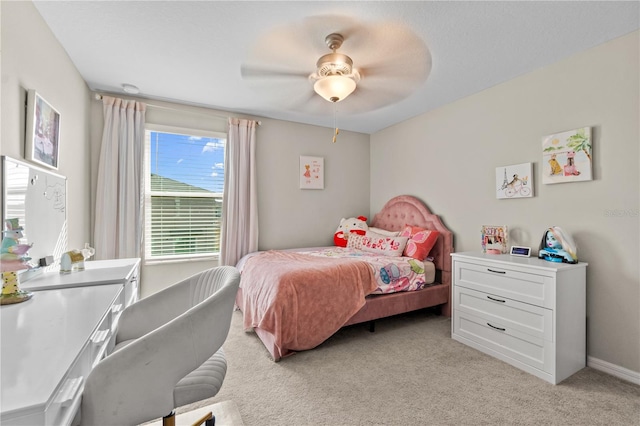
<point>168,352</point>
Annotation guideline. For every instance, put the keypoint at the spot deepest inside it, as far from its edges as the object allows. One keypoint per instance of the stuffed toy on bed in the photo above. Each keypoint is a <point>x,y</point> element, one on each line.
<point>353,225</point>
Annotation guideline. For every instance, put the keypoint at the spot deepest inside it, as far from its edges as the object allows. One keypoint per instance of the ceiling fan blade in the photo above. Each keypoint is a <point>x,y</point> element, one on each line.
<point>248,71</point>
<point>413,69</point>
<point>392,60</point>
<point>306,103</point>
<point>365,98</point>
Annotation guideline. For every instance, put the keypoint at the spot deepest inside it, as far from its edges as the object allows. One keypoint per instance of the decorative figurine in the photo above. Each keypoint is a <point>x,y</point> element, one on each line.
<point>71,261</point>
<point>74,260</point>
<point>11,247</point>
<point>557,246</point>
<point>13,258</point>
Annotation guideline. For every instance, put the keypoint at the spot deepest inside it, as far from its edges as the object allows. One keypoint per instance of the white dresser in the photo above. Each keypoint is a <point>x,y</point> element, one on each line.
<point>528,312</point>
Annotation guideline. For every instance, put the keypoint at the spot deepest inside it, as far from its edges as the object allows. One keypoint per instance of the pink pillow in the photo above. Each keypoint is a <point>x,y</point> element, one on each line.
<point>421,241</point>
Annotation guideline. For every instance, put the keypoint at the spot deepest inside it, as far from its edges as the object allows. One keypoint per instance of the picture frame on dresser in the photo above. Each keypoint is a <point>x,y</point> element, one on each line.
<point>494,239</point>
<point>42,136</point>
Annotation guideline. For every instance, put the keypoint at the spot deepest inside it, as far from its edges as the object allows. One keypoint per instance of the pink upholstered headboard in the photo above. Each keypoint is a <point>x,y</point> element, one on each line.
<point>407,210</point>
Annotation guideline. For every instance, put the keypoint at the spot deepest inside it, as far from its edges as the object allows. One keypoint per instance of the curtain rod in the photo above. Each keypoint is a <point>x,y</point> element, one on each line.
<point>98,97</point>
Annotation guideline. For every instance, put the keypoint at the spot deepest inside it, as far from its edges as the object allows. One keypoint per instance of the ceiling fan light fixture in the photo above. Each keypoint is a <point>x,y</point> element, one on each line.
<point>335,88</point>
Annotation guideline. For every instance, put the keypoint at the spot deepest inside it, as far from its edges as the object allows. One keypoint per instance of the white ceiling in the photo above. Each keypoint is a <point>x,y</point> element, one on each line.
<point>191,52</point>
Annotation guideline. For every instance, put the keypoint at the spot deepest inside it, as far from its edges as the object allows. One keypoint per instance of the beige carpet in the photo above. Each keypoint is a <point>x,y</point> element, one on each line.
<point>409,372</point>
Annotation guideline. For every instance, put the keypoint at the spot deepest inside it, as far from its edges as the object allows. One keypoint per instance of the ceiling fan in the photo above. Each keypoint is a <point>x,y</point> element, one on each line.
<point>379,64</point>
<point>335,77</point>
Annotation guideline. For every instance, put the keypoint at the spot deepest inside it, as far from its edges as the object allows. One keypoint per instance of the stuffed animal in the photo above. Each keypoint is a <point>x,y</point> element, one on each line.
<point>557,246</point>
<point>356,225</point>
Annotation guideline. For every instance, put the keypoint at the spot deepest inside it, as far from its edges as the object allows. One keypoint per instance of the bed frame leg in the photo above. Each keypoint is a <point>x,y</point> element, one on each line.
<point>372,326</point>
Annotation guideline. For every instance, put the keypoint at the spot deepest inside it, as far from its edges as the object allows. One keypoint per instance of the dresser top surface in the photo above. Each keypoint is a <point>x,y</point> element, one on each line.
<point>507,259</point>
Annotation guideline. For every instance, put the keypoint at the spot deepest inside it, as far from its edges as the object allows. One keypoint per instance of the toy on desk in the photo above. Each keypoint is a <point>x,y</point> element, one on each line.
<point>71,261</point>
<point>74,260</point>
<point>557,246</point>
<point>13,258</point>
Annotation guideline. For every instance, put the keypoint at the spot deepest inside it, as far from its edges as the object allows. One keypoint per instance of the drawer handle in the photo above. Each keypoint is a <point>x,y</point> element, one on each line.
<point>496,300</point>
<point>100,336</point>
<point>69,391</point>
<point>497,328</point>
<point>496,272</point>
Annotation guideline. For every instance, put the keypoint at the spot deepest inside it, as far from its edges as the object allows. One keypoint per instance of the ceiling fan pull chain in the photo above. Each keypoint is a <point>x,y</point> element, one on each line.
<point>335,135</point>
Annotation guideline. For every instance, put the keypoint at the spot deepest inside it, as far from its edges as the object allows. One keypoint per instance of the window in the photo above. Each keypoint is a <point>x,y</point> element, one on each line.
<point>183,193</point>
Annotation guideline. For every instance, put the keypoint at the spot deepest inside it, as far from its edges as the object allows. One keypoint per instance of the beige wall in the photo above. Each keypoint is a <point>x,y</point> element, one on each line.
<point>32,58</point>
<point>288,216</point>
<point>460,145</point>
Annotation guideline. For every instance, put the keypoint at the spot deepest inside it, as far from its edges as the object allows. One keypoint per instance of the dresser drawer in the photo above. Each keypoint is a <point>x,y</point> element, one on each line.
<point>528,319</point>
<point>506,341</point>
<point>511,283</point>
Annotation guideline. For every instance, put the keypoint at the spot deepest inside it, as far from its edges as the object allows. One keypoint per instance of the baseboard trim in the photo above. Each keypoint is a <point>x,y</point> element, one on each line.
<point>614,370</point>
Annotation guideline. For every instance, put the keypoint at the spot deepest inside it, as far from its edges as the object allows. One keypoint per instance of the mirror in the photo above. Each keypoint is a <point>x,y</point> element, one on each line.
<point>38,198</point>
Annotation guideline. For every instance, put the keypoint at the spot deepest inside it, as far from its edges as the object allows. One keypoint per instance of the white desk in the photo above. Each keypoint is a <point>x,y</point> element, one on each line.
<point>96,272</point>
<point>50,343</point>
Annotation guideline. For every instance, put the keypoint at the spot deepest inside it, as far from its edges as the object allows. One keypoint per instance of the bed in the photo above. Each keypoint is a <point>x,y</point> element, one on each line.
<point>293,308</point>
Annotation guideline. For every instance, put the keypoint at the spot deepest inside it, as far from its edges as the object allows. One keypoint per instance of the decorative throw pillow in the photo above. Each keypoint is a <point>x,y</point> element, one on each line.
<point>355,241</point>
<point>421,241</point>
<point>384,232</point>
<point>382,244</point>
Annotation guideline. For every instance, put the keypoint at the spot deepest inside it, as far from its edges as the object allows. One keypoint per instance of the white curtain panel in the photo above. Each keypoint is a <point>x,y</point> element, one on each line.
<point>118,228</point>
<point>240,205</point>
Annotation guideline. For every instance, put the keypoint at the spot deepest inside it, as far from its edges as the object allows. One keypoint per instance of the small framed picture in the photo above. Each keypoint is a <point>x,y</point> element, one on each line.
<point>494,239</point>
<point>311,172</point>
<point>567,156</point>
<point>514,181</point>
<point>42,137</point>
<point>520,251</point>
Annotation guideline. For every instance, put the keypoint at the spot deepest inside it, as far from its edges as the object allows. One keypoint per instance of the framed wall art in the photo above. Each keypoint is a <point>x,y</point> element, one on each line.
<point>311,172</point>
<point>566,156</point>
<point>514,181</point>
<point>42,138</point>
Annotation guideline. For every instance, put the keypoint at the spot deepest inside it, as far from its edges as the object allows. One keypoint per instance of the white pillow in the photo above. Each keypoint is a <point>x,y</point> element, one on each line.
<point>384,232</point>
<point>382,244</point>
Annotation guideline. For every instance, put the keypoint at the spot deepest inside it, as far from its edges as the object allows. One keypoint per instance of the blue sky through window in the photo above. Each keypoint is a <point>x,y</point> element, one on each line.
<point>197,161</point>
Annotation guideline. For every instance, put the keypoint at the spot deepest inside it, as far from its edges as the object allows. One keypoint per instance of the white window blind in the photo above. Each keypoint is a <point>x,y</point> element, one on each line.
<point>183,193</point>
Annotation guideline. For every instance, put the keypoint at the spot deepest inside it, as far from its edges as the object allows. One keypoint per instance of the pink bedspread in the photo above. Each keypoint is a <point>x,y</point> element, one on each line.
<point>302,307</point>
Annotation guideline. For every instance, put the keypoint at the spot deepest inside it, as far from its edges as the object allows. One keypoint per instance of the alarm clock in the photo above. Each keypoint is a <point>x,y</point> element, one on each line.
<point>520,251</point>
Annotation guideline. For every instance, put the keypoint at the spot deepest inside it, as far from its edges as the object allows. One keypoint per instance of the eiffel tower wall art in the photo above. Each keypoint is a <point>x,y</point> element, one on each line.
<point>514,181</point>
